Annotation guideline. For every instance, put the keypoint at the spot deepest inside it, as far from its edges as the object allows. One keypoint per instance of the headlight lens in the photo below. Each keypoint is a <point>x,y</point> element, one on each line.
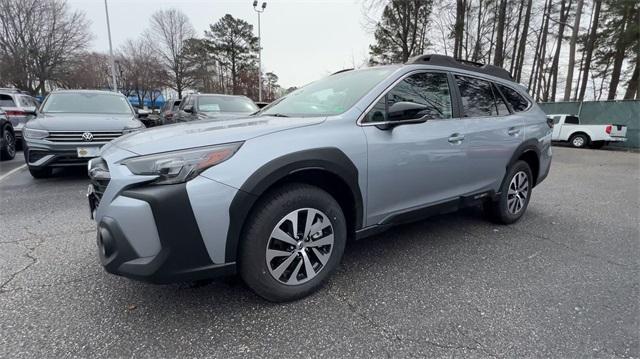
<point>35,134</point>
<point>180,166</point>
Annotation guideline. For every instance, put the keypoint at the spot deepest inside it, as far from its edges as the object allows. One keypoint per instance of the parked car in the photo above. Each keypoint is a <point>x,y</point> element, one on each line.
<point>19,108</point>
<point>211,106</point>
<point>567,128</point>
<point>72,125</point>
<point>274,196</point>
<point>169,109</point>
<point>7,138</point>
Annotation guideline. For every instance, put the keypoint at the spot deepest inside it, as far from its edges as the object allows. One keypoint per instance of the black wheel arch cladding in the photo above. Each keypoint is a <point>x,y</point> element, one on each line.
<point>328,159</point>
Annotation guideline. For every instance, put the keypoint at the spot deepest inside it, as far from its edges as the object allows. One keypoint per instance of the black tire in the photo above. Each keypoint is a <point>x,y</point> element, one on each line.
<point>499,211</point>
<point>579,140</point>
<point>8,150</point>
<point>263,219</point>
<point>41,172</point>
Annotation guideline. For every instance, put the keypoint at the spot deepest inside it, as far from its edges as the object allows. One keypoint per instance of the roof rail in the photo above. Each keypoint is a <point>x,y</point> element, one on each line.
<point>442,60</point>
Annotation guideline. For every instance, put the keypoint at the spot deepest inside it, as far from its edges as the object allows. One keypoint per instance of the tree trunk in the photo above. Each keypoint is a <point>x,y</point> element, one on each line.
<point>499,57</point>
<point>476,48</point>
<point>523,42</point>
<point>515,41</point>
<point>621,48</point>
<point>543,50</point>
<point>564,16</point>
<point>632,84</point>
<point>589,48</point>
<point>572,51</point>
<point>459,28</point>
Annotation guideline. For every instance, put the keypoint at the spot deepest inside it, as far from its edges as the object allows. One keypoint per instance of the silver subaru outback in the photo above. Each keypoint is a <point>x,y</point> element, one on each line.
<point>275,196</point>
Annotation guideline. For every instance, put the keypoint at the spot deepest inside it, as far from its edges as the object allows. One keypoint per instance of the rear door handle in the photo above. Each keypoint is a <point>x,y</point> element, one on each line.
<point>513,131</point>
<point>456,138</point>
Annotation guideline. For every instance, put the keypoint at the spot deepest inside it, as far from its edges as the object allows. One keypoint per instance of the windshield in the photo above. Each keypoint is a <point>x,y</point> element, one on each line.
<point>226,104</point>
<point>87,103</point>
<point>331,95</point>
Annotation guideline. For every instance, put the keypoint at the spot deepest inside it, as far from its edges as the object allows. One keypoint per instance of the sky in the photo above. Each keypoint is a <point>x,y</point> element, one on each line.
<point>302,40</point>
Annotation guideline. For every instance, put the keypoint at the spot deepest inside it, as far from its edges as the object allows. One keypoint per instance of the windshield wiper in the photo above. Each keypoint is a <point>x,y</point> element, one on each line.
<point>276,114</point>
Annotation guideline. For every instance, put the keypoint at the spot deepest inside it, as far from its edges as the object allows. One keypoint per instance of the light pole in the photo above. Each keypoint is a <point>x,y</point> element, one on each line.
<point>113,63</point>
<point>259,11</point>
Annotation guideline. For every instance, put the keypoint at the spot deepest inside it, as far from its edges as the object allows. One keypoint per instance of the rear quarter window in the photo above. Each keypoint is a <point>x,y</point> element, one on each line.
<point>518,102</point>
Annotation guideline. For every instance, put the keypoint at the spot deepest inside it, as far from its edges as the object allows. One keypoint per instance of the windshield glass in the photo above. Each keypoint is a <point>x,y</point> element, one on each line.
<point>226,104</point>
<point>87,103</point>
<point>331,95</point>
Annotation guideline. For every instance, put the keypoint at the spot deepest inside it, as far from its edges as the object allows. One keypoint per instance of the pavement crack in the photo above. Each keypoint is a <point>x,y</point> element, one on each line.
<point>576,251</point>
<point>33,259</point>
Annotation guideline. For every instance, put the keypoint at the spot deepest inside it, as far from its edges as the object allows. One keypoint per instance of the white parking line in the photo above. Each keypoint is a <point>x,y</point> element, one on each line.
<point>12,172</point>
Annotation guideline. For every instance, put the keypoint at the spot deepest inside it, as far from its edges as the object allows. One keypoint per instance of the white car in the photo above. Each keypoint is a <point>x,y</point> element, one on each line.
<point>567,128</point>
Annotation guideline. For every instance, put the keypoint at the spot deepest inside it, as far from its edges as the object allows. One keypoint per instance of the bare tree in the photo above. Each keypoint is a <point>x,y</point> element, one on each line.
<point>39,40</point>
<point>590,47</point>
<point>170,29</point>
<point>572,51</point>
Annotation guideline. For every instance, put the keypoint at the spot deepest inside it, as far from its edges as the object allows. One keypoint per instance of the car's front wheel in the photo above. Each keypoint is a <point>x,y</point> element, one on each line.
<point>514,197</point>
<point>293,240</point>
<point>8,151</point>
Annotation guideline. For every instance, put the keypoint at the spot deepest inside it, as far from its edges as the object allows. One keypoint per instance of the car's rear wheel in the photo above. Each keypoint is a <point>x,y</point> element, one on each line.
<point>40,172</point>
<point>8,151</point>
<point>579,141</point>
<point>292,242</point>
<point>515,194</point>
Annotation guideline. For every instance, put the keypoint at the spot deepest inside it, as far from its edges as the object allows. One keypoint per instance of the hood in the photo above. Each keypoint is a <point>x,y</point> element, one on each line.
<point>82,122</point>
<point>207,132</point>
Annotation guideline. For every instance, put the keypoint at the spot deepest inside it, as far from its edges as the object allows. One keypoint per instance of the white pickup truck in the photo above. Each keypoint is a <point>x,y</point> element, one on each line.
<point>567,128</point>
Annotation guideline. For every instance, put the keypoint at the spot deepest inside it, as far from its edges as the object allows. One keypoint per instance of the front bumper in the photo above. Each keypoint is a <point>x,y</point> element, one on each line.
<point>41,153</point>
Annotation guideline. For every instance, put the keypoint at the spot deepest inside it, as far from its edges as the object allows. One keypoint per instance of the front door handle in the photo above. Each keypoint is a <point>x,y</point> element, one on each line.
<point>456,138</point>
<point>513,131</point>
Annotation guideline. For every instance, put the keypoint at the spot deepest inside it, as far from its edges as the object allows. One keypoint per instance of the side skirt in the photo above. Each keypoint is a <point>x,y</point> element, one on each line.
<point>420,213</point>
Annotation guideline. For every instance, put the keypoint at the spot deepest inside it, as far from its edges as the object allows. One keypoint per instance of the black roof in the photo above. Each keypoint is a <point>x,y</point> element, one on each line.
<point>448,61</point>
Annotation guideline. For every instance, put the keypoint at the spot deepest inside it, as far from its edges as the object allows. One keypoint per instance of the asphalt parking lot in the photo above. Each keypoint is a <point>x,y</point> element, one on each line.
<point>563,282</point>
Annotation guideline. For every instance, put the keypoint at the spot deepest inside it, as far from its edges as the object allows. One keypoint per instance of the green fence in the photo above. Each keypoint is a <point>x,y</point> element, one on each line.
<point>625,112</point>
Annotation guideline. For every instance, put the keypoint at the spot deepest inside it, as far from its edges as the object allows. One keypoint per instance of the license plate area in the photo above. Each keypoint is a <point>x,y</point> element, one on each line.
<point>88,151</point>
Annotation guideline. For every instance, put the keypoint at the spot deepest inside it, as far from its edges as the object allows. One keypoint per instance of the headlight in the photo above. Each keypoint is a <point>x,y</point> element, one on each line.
<point>180,166</point>
<point>35,134</point>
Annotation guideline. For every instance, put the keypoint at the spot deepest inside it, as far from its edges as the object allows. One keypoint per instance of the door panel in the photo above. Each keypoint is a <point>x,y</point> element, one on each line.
<point>412,166</point>
<point>493,133</point>
<point>417,164</point>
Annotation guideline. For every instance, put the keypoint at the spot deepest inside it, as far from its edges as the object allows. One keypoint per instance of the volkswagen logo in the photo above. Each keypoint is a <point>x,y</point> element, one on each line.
<point>87,136</point>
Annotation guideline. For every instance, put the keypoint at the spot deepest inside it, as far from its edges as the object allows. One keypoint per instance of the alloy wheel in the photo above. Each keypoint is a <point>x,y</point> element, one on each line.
<point>518,192</point>
<point>11,144</point>
<point>578,141</point>
<point>300,246</point>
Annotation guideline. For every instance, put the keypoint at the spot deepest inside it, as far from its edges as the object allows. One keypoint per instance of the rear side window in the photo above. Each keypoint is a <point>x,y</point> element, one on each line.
<point>6,101</point>
<point>477,97</point>
<point>517,102</point>
<point>572,120</point>
<point>176,105</point>
<point>503,109</point>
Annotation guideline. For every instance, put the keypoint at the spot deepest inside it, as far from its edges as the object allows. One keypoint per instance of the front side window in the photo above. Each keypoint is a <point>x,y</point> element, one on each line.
<point>417,96</point>
<point>517,102</point>
<point>89,102</point>
<point>329,96</point>
<point>477,97</point>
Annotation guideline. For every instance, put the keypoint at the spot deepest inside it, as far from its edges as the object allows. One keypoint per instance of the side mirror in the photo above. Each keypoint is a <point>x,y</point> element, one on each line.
<point>403,110</point>
<point>188,109</point>
<point>404,113</point>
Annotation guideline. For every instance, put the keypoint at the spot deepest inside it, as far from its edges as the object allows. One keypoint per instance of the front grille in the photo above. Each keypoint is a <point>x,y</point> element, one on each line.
<point>77,136</point>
